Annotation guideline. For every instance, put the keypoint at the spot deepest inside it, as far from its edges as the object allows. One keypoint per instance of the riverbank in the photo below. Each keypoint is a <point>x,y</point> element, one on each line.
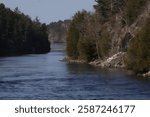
<point>147,74</point>
<point>116,61</point>
<point>70,60</point>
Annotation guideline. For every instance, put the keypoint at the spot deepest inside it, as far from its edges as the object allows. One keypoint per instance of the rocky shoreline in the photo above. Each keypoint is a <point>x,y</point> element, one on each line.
<point>69,60</point>
<point>115,61</point>
<point>146,75</point>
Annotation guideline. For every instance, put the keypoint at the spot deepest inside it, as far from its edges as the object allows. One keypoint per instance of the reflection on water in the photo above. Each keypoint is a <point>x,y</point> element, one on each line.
<point>45,77</point>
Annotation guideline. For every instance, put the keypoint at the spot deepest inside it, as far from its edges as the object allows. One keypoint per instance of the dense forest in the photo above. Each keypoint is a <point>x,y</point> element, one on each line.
<point>20,35</point>
<point>116,26</point>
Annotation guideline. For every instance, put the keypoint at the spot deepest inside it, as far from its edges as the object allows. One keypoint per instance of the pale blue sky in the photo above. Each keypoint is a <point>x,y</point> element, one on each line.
<point>50,10</point>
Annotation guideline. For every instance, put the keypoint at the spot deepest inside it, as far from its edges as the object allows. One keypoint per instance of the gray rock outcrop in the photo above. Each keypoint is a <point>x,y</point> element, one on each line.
<point>115,61</point>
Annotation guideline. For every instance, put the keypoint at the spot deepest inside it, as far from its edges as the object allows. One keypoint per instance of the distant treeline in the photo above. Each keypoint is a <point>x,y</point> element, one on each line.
<point>92,35</point>
<point>20,35</point>
<point>57,31</point>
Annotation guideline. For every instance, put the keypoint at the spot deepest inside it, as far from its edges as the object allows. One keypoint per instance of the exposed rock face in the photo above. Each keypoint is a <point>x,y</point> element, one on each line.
<point>115,61</point>
<point>57,31</point>
<point>146,74</point>
<point>121,35</point>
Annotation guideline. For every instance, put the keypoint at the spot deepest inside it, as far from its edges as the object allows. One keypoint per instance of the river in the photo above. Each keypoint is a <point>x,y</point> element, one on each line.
<point>43,76</point>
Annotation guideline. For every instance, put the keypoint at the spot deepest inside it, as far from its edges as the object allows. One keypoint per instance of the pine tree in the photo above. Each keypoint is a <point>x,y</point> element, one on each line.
<point>139,51</point>
<point>20,35</point>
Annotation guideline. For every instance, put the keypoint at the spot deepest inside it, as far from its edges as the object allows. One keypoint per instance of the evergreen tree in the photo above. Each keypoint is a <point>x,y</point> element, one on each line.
<point>106,8</point>
<point>20,35</point>
<point>133,9</point>
<point>139,51</point>
<point>103,8</point>
<point>73,35</point>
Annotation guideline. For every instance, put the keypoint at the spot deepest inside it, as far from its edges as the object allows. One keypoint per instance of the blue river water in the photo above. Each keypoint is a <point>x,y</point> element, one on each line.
<point>45,77</point>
